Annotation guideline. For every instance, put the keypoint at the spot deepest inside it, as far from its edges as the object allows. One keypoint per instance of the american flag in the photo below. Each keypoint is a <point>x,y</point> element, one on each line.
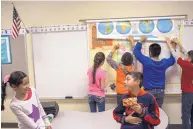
<point>16,24</point>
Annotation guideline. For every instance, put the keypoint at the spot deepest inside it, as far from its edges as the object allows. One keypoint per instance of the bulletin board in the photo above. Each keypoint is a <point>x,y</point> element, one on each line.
<point>103,40</point>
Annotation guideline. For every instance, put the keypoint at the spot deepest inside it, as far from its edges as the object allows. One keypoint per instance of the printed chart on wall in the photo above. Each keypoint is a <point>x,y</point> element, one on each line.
<point>98,43</point>
<point>101,45</point>
<point>149,28</point>
<point>5,49</point>
<point>154,30</point>
<point>124,47</point>
<point>105,46</point>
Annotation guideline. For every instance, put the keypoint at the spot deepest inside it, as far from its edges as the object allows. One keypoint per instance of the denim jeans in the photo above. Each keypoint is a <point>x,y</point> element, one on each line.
<point>119,97</point>
<point>187,110</point>
<point>95,101</point>
<point>191,119</point>
<point>159,96</point>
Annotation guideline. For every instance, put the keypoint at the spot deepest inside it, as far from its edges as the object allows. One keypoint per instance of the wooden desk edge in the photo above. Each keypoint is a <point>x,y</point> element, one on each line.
<point>108,96</point>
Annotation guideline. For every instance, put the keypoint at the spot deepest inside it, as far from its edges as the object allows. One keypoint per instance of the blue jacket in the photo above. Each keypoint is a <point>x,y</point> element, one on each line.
<point>149,106</point>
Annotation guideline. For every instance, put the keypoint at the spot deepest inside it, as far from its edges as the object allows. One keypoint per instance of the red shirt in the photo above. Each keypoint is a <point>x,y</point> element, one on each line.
<point>187,75</point>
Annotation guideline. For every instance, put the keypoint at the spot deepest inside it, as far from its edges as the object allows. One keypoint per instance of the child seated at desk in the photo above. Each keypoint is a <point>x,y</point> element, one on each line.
<point>138,109</point>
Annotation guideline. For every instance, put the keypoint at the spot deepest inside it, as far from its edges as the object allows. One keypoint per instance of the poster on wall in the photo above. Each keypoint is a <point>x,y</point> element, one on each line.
<point>98,43</point>
<point>172,74</point>
<point>106,45</point>
<point>101,45</point>
<point>124,47</point>
<point>5,50</point>
<point>152,29</point>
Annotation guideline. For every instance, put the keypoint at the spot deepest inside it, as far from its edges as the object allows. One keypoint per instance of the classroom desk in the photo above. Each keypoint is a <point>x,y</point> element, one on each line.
<point>100,120</point>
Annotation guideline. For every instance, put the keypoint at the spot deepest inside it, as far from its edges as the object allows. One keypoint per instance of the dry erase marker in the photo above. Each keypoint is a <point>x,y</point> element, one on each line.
<point>68,97</point>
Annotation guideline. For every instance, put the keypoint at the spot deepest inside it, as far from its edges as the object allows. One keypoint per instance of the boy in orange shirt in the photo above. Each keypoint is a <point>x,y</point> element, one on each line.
<point>126,65</point>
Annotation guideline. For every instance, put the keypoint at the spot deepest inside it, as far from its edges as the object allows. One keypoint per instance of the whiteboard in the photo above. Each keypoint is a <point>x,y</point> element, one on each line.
<point>60,64</point>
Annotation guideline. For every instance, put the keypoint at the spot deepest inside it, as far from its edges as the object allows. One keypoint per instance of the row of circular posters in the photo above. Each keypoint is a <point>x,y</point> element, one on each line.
<point>145,26</point>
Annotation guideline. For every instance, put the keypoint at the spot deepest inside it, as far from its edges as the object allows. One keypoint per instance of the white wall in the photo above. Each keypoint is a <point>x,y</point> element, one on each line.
<point>58,13</point>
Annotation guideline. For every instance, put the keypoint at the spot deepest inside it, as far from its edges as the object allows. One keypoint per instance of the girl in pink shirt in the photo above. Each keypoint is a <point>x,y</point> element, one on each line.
<point>97,83</point>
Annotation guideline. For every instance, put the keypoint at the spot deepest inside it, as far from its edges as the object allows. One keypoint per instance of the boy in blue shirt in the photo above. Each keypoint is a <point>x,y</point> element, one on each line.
<point>154,69</point>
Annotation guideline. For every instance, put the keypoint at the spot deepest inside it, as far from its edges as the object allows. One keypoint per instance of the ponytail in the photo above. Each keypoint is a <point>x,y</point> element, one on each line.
<point>3,95</point>
<point>3,91</point>
<point>96,65</point>
<point>98,59</point>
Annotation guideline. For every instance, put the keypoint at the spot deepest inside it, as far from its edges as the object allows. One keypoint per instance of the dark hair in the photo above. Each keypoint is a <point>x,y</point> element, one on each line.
<point>3,94</point>
<point>155,50</point>
<point>98,59</point>
<point>137,76</point>
<point>15,79</point>
<point>127,59</point>
<point>190,54</point>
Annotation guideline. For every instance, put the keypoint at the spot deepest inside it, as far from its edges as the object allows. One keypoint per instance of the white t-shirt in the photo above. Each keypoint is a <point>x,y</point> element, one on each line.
<point>30,113</point>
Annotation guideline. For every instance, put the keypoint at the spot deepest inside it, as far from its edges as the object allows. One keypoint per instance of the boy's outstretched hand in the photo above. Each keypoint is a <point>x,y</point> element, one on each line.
<point>142,39</point>
<point>131,40</point>
<point>116,47</point>
<point>175,40</point>
<point>171,43</point>
<point>168,40</point>
<point>132,120</point>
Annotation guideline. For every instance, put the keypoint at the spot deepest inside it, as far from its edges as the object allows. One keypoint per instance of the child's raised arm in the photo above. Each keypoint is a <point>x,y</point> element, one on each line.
<point>171,59</point>
<point>182,50</point>
<point>110,60</point>
<point>132,44</point>
<point>137,51</point>
<point>179,60</point>
<point>131,41</point>
<point>172,48</point>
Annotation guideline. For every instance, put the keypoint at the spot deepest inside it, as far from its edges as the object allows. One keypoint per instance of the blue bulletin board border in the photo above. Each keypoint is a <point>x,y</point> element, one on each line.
<point>8,54</point>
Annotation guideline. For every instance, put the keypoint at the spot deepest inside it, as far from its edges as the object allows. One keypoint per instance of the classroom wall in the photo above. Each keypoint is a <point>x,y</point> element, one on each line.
<point>58,13</point>
<point>19,59</point>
